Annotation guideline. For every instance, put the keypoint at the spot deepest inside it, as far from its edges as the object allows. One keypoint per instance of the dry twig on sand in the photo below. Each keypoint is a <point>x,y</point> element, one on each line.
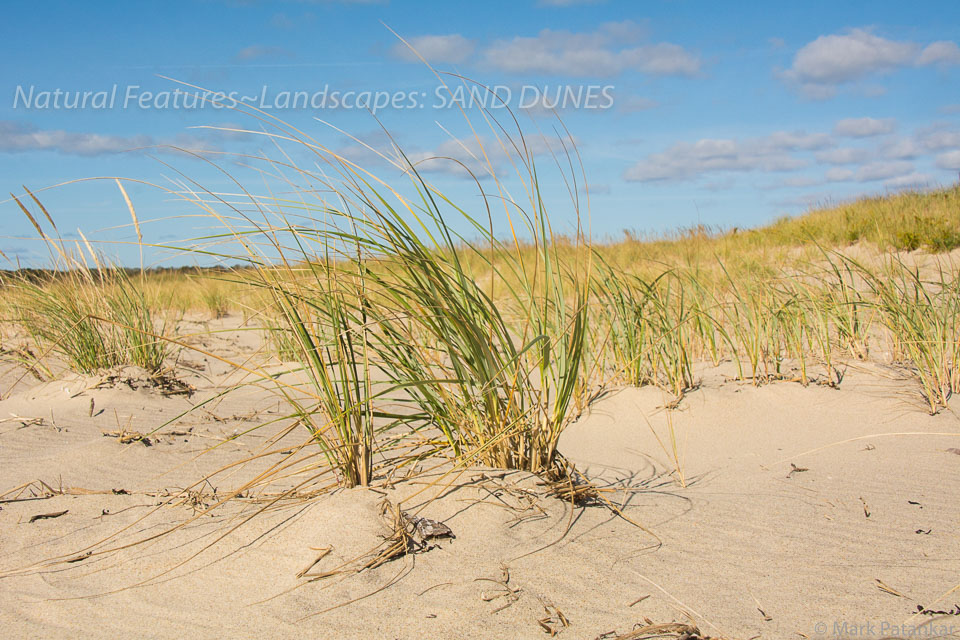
<point>677,630</point>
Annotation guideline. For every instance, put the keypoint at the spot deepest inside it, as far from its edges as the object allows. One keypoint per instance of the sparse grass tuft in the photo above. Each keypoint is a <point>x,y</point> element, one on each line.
<point>93,318</point>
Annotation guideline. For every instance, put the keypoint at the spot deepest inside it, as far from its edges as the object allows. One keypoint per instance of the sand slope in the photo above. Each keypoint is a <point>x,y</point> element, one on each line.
<point>744,535</point>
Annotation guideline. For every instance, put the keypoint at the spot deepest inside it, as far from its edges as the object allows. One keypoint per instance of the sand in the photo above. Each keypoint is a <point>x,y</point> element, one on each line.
<point>805,509</point>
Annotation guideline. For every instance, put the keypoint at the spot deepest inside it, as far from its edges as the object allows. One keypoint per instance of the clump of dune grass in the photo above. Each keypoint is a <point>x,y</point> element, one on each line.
<point>651,328</point>
<point>847,307</point>
<point>215,299</point>
<point>281,341</point>
<point>376,290</point>
<point>495,377</point>
<point>923,317</point>
<point>321,331</point>
<point>498,386</point>
<point>85,309</point>
<point>621,300</point>
<point>94,319</point>
<point>748,311</point>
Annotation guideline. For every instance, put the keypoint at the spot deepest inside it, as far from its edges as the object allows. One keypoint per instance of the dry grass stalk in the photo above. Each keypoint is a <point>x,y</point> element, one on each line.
<point>126,437</point>
<point>677,630</point>
<point>554,622</point>
<point>505,590</point>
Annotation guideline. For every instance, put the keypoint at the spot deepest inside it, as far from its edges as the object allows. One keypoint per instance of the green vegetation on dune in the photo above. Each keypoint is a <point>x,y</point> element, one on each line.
<point>906,221</point>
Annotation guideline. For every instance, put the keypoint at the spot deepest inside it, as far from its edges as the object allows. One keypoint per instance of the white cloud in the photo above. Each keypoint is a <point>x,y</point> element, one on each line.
<point>452,48</point>
<point>610,50</point>
<point>792,183</point>
<point>943,52</point>
<point>939,137</point>
<point>909,181</point>
<point>602,188</point>
<point>818,91</point>
<point>458,157</point>
<point>685,160</point>
<point>784,140</point>
<point>883,170</point>
<point>483,157</point>
<point>839,175</point>
<point>840,58</point>
<point>864,127</point>
<point>830,60</point>
<point>870,172</point>
<point>949,160</point>
<point>724,184</point>
<point>844,155</point>
<point>887,159</point>
<point>17,137</point>
<point>901,149</point>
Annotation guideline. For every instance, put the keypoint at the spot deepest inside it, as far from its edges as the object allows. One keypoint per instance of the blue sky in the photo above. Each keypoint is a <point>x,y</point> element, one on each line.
<point>714,113</point>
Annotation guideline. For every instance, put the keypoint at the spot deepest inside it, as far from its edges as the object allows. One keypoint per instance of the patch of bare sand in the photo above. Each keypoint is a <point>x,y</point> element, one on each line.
<point>744,535</point>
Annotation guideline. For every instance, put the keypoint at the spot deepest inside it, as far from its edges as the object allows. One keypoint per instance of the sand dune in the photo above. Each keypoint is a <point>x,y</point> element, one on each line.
<point>803,507</point>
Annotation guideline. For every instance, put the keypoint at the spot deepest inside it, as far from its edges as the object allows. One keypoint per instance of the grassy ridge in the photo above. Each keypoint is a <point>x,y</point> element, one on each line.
<point>906,221</point>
